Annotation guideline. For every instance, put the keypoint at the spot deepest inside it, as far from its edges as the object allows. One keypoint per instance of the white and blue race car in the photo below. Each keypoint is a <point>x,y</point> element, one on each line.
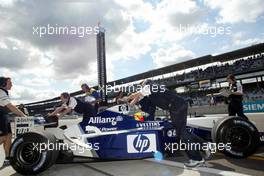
<point>115,134</point>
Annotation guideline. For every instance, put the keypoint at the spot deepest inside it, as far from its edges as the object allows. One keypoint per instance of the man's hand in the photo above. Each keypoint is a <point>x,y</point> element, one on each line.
<point>122,100</point>
<point>64,112</point>
<point>15,110</point>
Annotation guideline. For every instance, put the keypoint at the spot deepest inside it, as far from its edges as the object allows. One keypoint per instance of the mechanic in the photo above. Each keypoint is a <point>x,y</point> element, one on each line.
<point>91,96</point>
<point>235,105</point>
<point>5,107</point>
<point>177,107</point>
<point>70,104</point>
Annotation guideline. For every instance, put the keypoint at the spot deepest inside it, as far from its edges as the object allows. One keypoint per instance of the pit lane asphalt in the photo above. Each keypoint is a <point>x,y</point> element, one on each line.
<point>219,165</point>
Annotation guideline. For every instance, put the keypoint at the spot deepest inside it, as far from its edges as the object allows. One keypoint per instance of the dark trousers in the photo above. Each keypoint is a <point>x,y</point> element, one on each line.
<point>88,111</point>
<point>235,107</point>
<point>5,127</point>
<point>178,113</point>
<point>96,106</point>
<point>151,111</point>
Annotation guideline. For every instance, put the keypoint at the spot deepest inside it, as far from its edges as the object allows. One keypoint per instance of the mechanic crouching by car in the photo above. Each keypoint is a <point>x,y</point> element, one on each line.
<point>177,107</point>
<point>5,107</point>
<point>70,104</point>
<point>235,105</point>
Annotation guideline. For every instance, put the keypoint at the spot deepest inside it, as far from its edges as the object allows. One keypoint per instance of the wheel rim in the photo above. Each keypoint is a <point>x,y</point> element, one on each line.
<point>28,155</point>
<point>239,137</point>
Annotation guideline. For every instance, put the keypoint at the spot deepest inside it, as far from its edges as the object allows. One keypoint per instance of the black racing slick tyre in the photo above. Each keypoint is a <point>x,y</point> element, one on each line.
<point>240,136</point>
<point>33,152</point>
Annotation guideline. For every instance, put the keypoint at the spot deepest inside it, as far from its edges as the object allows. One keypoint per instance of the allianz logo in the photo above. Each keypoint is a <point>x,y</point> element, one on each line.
<point>104,120</point>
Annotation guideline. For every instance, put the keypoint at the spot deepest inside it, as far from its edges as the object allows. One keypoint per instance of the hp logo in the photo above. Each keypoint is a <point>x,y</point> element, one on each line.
<point>141,143</point>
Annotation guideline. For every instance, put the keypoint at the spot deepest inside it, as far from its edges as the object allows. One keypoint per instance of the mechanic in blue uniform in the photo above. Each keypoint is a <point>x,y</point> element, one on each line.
<point>149,98</point>
<point>5,107</point>
<point>235,105</point>
<point>70,104</point>
<point>91,96</point>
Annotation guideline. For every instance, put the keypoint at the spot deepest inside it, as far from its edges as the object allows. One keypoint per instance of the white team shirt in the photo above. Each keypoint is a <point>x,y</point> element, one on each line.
<point>4,98</point>
<point>72,103</point>
<point>239,87</point>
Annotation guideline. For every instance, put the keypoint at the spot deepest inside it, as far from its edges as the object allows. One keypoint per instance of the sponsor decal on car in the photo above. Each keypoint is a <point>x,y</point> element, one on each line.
<point>241,122</point>
<point>108,129</point>
<point>105,120</point>
<point>171,133</point>
<point>141,143</point>
<point>139,117</point>
<point>148,125</point>
<point>123,109</point>
<point>23,125</point>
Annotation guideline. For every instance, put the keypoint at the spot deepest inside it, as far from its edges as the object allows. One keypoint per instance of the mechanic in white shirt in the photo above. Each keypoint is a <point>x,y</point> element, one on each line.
<point>70,104</point>
<point>235,105</point>
<point>5,107</point>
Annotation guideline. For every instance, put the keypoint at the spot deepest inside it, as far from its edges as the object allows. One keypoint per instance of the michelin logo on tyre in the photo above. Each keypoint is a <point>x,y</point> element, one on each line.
<point>141,143</point>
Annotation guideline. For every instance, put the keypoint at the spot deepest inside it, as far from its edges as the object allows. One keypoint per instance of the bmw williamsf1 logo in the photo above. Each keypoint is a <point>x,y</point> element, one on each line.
<point>123,108</point>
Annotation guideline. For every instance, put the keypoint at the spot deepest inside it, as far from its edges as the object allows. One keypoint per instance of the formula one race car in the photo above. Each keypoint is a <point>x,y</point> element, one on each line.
<point>116,134</point>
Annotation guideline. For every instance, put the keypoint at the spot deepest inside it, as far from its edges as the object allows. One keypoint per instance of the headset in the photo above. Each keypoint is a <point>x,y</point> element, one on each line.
<point>3,81</point>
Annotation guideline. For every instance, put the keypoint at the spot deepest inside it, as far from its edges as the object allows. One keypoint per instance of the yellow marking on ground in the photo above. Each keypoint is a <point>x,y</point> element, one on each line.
<point>256,158</point>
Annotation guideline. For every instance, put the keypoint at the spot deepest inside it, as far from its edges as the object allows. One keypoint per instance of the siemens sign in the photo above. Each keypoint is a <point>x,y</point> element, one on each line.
<point>257,106</point>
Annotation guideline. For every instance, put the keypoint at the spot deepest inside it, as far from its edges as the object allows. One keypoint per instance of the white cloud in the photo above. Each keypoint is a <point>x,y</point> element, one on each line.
<point>180,12</point>
<point>172,55</point>
<point>23,94</point>
<point>36,82</point>
<point>239,40</point>
<point>6,3</point>
<point>70,60</point>
<point>234,11</point>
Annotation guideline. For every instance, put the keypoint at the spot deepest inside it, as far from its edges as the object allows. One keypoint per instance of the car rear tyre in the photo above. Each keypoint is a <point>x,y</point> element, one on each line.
<point>239,135</point>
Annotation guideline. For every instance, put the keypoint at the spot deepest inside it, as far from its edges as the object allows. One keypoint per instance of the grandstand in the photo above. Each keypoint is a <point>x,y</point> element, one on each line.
<point>246,63</point>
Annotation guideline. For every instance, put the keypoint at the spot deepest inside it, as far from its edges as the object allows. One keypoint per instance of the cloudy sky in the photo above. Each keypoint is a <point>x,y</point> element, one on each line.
<point>140,35</point>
